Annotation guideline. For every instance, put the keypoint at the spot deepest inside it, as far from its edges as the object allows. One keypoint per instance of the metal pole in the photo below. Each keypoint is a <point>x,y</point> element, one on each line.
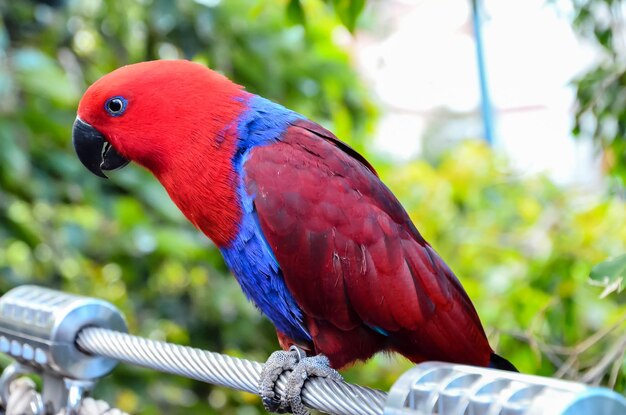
<point>485,101</point>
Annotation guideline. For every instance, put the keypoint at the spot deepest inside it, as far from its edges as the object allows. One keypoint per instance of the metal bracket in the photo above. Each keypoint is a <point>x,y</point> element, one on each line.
<point>38,328</point>
<point>444,388</point>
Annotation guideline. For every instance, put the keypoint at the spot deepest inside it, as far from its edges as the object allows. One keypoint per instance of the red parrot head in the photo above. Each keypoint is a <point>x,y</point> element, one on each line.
<point>152,113</point>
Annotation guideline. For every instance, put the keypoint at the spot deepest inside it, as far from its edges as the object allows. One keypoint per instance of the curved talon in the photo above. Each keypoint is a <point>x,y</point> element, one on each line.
<point>278,362</point>
<point>309,366</point>
<point>302,367</point>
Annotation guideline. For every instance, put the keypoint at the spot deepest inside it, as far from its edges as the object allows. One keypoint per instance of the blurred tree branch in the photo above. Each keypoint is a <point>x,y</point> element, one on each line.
<point>600,97</point>
<point>576,363</point>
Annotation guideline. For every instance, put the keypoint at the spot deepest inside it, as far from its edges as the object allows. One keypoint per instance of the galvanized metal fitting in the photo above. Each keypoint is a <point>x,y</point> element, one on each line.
<point>444,388</point>
<point>39,327</point>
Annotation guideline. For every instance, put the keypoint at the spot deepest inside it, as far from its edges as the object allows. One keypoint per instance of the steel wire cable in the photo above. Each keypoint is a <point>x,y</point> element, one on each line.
<point>322,394</point>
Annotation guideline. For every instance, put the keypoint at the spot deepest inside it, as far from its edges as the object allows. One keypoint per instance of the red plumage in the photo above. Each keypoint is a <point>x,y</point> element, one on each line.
<point>352,258</point>
<point>358,269</point>
<point>174,127</point>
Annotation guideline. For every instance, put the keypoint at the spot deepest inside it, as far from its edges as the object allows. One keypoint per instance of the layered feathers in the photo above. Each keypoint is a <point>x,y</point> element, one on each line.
<point>351,257</point>
<point>313,236</point>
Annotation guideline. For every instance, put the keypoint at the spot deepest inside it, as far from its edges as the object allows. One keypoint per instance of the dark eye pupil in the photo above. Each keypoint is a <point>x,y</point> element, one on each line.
<point>116,105</point>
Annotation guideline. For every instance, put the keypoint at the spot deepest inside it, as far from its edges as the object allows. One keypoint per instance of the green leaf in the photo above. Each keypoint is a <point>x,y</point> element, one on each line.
<point>295,12</point>
<point>349,11</point>
<point>604,37</point>
<point>610,275</point>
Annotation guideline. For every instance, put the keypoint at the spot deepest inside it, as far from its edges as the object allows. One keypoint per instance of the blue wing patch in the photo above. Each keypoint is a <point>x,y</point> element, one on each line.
<point>249,256</point>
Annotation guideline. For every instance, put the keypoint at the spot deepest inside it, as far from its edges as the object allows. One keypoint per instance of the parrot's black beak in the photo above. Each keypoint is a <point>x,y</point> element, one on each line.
<point>94,151</point>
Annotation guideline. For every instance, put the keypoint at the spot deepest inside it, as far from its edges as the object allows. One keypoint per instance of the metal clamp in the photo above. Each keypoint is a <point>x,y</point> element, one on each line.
<point>444,388</point>
<point>38,328</point>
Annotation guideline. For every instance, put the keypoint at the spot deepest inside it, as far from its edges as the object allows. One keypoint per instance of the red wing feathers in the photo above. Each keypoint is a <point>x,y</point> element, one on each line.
<point>350,255</point>
<point>327,135</point>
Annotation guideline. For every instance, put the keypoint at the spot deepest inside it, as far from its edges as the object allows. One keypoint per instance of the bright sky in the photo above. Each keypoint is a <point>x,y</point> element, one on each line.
<point>424,60</point>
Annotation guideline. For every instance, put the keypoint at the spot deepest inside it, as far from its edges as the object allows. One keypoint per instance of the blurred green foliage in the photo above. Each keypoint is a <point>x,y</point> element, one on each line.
<point>348,11</point>
<point>523,247</point>
<point>601,101</point>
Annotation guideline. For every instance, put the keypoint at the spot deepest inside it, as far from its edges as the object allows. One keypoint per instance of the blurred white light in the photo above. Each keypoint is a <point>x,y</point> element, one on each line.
<point>426,61</point>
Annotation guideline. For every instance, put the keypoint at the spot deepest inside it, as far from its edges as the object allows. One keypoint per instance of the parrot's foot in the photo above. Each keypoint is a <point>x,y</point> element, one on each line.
<point>302,367</point>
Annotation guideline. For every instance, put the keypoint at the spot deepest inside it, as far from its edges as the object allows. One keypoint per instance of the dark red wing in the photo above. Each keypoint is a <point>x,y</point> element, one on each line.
<point>348,251</point>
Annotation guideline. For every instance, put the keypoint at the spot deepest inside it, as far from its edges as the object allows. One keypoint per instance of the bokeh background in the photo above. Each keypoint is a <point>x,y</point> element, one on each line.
<point>533,223</point>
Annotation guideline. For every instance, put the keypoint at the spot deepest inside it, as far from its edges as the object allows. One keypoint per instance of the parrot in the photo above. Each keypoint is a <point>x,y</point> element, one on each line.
<point>317,242</point>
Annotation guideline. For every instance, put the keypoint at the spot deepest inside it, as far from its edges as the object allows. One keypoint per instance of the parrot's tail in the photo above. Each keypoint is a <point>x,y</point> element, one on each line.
<point>499,362</point>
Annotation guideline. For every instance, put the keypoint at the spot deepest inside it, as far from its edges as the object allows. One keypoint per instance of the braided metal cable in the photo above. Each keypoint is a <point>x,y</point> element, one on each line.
<point>91,406</point>
<point>322,394</point>
<point>23,399</point>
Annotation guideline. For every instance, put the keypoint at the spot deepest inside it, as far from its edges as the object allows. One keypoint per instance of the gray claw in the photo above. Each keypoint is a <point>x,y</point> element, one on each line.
<point>278,362</point>
<point>302,367</point>
<point>309,366</point>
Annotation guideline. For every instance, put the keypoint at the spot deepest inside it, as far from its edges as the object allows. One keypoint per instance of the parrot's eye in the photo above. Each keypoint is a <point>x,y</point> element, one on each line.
<point>116,106</point>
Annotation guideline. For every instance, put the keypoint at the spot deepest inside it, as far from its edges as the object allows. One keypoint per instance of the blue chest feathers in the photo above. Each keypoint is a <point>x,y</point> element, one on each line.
<point>249,256</point>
